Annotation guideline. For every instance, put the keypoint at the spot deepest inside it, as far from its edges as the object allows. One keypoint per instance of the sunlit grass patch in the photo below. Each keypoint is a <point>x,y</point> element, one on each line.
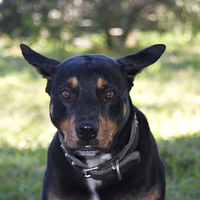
<point>170,97</point>
<point>24,112</point>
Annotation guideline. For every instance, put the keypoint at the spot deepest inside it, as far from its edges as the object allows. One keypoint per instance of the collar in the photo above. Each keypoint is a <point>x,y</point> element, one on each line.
<point>116,166</point>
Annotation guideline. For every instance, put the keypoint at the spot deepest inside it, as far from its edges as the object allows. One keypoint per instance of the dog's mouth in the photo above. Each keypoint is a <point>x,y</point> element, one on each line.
<point>87,151</point>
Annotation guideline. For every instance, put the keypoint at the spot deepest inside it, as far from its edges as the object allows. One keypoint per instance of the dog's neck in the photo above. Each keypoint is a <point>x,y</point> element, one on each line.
<point>92,162</point>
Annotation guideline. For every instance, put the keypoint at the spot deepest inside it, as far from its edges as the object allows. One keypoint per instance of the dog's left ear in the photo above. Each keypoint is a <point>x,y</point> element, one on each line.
<point>45,66</point>
<point>135,63</point>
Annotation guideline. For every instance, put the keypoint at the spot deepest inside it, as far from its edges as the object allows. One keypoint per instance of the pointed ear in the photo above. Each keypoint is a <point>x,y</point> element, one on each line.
<point>135,63</point>
<point>45,66</point>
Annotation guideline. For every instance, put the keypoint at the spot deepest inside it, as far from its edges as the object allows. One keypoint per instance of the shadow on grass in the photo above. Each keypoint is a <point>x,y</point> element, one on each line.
<point>182,161</point>
<point>22,171</point>
<point>180,60</point>
<point>15,66</point>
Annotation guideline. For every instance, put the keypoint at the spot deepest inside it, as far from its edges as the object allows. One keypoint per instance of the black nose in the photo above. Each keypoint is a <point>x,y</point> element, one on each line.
<point>86,130</point>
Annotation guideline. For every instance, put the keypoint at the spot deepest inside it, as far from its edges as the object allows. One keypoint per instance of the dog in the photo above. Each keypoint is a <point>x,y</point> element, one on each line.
<point>103,149</point>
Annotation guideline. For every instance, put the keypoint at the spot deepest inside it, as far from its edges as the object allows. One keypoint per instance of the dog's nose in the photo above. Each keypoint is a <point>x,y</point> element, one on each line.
<point>86,130</point>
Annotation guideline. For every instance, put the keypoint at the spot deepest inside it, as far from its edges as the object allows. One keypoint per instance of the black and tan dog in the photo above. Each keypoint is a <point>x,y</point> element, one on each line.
<point>104,149</point>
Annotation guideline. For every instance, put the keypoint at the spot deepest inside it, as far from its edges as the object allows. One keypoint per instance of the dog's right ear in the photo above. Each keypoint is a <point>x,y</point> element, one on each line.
<point>45,66</point>
<point>135,63</point>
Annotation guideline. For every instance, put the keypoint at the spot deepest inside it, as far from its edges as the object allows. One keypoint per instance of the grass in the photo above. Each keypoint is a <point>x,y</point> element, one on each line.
<point>168,93</point>
<point>21,172</point>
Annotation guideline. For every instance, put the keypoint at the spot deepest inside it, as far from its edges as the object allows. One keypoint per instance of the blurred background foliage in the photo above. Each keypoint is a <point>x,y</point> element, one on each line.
<point>168,92</point>
<point>65,20</point>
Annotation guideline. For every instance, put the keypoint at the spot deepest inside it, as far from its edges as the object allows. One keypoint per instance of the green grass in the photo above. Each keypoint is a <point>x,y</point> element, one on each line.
<point>182,161</point>
<point>167,92</point>
<point>21,172</point>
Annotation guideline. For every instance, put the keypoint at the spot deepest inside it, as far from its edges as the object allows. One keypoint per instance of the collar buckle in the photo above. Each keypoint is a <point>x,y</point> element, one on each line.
<point>115,166</point>
<point>86,171</point>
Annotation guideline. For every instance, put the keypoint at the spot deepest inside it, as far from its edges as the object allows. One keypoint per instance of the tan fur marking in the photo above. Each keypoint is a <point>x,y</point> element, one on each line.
<point>124,109</point>
<point>68,128</point>
<point>51,109</point>
<point>107,131</point>
<point>153,194</point>
<point>52,197</point>
<point>73,82</point>
<point>101,83</point>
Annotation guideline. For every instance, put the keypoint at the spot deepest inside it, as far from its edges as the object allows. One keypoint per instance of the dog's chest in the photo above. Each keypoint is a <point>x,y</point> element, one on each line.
<point>92,183</point>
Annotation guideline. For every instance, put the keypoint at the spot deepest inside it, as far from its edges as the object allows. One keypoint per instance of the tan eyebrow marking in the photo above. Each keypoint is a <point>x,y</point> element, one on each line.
<point>101,83</point>
<point>73,82</point>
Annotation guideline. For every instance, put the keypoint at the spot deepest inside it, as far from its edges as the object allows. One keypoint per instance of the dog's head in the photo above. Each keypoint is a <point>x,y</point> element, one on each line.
<point>90,95</point>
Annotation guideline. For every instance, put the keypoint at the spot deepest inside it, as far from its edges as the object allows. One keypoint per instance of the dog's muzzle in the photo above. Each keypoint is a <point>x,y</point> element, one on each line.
<point>116,166</point>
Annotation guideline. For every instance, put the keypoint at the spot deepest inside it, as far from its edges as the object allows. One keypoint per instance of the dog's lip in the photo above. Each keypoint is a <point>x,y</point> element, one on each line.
<point>87,151</point>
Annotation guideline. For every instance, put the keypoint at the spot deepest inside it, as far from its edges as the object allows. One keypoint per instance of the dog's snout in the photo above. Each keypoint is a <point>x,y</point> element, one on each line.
<point>86,130</point>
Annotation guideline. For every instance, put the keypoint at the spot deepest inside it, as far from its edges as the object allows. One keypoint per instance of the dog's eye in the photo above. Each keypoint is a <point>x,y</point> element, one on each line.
<point>110,95</point>
<point>65,94</point>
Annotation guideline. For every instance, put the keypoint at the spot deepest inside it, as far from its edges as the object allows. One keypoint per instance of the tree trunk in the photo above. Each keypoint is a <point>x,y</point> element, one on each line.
<point>109,40</point>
